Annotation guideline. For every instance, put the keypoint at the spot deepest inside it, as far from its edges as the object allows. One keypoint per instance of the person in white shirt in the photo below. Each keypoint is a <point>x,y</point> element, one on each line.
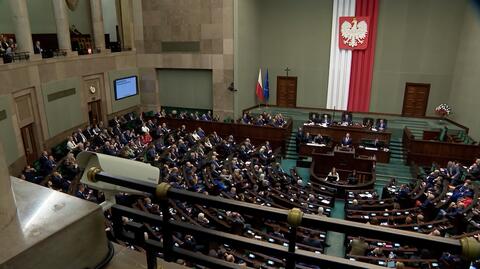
<point>71,145</point>
<point>145,129</point>
<point>333,173</point>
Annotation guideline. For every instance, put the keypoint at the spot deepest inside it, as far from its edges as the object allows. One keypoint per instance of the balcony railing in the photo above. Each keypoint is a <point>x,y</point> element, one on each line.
<point>15,57</point>
<point>133,231</point>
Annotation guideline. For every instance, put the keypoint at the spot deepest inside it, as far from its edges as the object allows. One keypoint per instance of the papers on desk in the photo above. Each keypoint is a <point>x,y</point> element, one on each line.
<point>313,124</point>
<point>316,145</point>
<point>365,195</point>
<point>370,148</point>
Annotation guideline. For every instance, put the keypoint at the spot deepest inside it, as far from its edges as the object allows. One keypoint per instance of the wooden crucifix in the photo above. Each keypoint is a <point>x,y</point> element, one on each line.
<point>287,70</point>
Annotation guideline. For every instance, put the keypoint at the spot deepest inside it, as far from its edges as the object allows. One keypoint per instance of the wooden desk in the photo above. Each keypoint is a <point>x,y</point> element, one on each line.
<point>380,155</point>
<point>308,149</point>
<point>337,132</point>
<point>424,152</point>
<point>257,134</point>
<point>344,162</point>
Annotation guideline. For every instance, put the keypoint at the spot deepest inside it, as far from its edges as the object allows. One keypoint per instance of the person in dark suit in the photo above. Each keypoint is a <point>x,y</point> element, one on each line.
<point>307,138</point>
<point>474,170</point>
<point>37,49</point>
<point>347,141</point>
<point>381,124</point>
<point>315,119</point>
<point>79,137</point>
<point>49,165</point>
<point>319,139</point>
<point>43,160</point>
<point>352,178</point>
<point>151,154</point>
<point>326,120</point>
<point>368,123</point>
<point>347,118</point>
<point>378,144</point>
<point>299,138</point>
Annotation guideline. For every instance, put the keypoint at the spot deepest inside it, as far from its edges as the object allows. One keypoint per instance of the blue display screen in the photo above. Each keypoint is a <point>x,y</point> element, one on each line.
<point>125,87</point>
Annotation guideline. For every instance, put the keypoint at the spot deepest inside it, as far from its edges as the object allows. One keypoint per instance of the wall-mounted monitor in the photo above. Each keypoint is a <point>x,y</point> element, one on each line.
<point>125,87</point>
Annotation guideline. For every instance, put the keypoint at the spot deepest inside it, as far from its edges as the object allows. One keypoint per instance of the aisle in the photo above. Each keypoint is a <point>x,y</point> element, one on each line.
<point>334,239</point>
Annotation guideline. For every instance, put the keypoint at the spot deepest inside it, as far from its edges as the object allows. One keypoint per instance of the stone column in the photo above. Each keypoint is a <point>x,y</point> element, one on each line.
<point>7,204</point>
<point>97,23</point>
<point>63,26</point>
<point>21,22</point>
<point>126,20</point>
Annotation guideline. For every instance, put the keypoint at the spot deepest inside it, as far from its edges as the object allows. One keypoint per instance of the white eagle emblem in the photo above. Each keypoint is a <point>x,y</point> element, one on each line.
<point>354,35</point>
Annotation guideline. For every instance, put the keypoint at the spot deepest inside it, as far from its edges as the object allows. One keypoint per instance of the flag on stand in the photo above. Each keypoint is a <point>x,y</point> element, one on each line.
<point>259,89</point>
<point>266,88</point>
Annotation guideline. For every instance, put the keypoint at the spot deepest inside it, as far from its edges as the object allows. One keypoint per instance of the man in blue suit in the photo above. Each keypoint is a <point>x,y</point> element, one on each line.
<point>381,125</point>
<point>325,120</point>
<point>347,141</point>
<point>347,118</point>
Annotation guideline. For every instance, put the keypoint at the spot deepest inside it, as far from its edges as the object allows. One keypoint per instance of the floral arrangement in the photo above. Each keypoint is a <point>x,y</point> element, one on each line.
<point>443,110</point>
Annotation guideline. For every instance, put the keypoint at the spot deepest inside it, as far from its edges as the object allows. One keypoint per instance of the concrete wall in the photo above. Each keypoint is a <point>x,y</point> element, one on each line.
<point>55,120</point>
<point>208,22</point>
<point>6,24</point>
<point>8,136</point>
<point>466,76</point>
<point>296,34</point>
<point>189,88</point>
<point>417,41</point>
<point>247,53</point>
<point>81,17</point>
<point>63,113</point>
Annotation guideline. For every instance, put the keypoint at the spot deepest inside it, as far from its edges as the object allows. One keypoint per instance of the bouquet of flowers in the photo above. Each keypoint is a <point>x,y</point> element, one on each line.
<point>443,110</point>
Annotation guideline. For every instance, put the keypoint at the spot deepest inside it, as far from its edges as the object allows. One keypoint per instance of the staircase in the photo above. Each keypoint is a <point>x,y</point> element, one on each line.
<point>291,151</point>
<point>396,168</point>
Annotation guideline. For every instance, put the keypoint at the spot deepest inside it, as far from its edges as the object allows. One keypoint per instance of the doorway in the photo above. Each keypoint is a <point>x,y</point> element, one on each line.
<point>95,112</point>
<point>286,91</point>
<point>29,143</point>
<point>415,100</point>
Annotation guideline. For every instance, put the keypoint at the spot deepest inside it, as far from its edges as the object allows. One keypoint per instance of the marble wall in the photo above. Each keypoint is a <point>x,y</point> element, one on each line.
<point>209,22</point>
<point>40,78</point>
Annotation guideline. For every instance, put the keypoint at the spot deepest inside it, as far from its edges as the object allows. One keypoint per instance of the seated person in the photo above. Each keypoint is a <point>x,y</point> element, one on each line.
<point>333,175</point>
<point>347,118</point>
<point>381,124</point>
<point>352,178</point>
<point>315,118</point>
<point>347,141</point>
<point>368,123</point>
<point>246,118</point>
<point>378,144</point>
<point>319,139</point>
<point>374,143</point>
<point>326,119</point>
<point>474,169</point>
<point>307,138</point>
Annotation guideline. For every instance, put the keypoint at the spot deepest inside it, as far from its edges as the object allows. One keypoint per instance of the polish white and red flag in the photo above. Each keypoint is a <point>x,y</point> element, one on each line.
<point>259,88</point>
